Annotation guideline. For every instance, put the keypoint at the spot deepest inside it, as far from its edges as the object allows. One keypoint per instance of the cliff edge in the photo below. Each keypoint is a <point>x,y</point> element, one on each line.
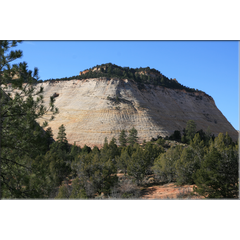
<point>95,108</point>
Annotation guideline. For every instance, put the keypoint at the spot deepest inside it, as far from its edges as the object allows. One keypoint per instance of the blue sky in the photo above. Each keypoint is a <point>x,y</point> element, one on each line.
<point>210,66</point>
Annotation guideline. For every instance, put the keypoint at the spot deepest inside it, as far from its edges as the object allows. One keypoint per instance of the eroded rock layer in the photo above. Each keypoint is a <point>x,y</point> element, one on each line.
<point>93,109</point>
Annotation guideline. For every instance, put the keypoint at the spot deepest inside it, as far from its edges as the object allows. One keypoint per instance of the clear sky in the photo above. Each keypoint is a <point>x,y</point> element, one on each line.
<point>210,66</point>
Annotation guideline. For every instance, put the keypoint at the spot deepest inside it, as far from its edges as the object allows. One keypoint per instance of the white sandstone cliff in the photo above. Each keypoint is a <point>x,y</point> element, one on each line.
<point>93,109</point>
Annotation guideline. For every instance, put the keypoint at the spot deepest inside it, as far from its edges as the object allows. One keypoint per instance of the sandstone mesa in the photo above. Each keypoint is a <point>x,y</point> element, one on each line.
<point>95,108</point>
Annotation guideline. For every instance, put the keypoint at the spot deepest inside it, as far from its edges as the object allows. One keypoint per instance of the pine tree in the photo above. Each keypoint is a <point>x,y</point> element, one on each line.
<point>122,161</point>
<point>64,192</point>
<point>164,165</point>
<point>132,138</point>
<point>78,192</point>
<point>22,139</point>
<point>190,130</point>
<point>151,152</point>
<point>61,144</point>
<point>61,134</point>
<point>49,136</point>
<point>218,175</point>
<point>96,172</point>
<point>113,150</point>
<point>185,167</point>
<point>137,165</point>
<point>123,138</point>
<point>86,149</point>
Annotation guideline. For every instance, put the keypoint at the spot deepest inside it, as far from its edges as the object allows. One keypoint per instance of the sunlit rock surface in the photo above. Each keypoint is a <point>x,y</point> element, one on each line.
<point>93,109</point>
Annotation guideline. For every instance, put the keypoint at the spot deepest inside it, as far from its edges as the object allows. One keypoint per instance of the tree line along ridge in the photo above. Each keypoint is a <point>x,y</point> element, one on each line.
<point>34,165</point>
<point>140,75</point>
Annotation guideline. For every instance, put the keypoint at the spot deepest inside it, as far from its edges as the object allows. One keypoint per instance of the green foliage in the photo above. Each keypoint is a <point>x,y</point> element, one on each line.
<point>123,138</point>
<point>132,137</point>
<point>176,136</point>
<point>137,165</point>
<point>190,130</point>
<point>61,142</point>
<point>86,149</point>
<point>134,74</point>
<point>78,191</point>
<point>123,160</point>
<point>151,152</point>
<point>218,174</point>
<point>95,150</point>
<point>22,139</point>
<point>97,172</point>
<point>61,134</point>
<point>210,164</point>
<point>190,161</point>
<point>112,149</point>
<point>206,137</point>
<point>164,165</point>
<point>141,161</point>
<point>49,137</point>
<point>184,138</point>
<point>161,141</point>
<point>75,150</point>
<point>34,166</point>
<point>109,151</point>
<point>198,146</point>
<point>59,169</point>
<point>63,193</point>
<point>185,167</point>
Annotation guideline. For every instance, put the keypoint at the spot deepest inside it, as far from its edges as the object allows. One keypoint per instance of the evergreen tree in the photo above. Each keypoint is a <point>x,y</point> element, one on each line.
<point>113,150</point>
<point>64,192</point>
<point>86,149</point>
<point>176,136</point>
<point>78,192</point>
<point>164,165</point>
<point>49,137</point>
<point>218,175</point>
<point>75,150</point>
<point>96,172</point>
<point>56,160</point>
<point>161,141</point>
<point>132,138</point>
<point>198,146</point>
<point>209,136</point>
<point>190,130</point>
<point>105,145</point>
<point>61,144</point>
<point>151,152</point>
<point>61,134</point>
<point>122,161</point>
<point>184,136</point>
<point>95,150</point>
<point>123,138</point>
<point>22,139</point>
<point>138,164</point>
<point>185,167</point>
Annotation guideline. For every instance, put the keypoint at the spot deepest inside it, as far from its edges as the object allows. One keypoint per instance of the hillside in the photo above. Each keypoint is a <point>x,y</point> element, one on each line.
<point>140,75</point>
<point>94,108</point>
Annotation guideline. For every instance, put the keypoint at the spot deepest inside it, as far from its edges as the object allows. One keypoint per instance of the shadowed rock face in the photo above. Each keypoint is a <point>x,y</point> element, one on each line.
<point>93,109</point>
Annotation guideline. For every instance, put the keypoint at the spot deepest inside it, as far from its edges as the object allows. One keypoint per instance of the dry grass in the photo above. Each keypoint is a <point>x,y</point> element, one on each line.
<point>169,191</point>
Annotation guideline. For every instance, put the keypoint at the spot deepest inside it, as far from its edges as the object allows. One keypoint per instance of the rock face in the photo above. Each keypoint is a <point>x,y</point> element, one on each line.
<point>96,108</point>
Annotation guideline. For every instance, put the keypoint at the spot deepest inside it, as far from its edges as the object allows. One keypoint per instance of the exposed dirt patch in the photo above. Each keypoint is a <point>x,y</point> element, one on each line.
<point>169,191</point>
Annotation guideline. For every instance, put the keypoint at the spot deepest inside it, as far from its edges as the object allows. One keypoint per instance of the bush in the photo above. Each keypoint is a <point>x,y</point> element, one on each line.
<point>164,166</point>
<point>125,189</point>
<point>218,175</point>
<point>185,167</point>
<point>161,141</point>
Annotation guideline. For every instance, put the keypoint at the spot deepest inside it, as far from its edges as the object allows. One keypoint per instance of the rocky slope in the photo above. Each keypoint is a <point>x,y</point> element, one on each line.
<point>93,109</point>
